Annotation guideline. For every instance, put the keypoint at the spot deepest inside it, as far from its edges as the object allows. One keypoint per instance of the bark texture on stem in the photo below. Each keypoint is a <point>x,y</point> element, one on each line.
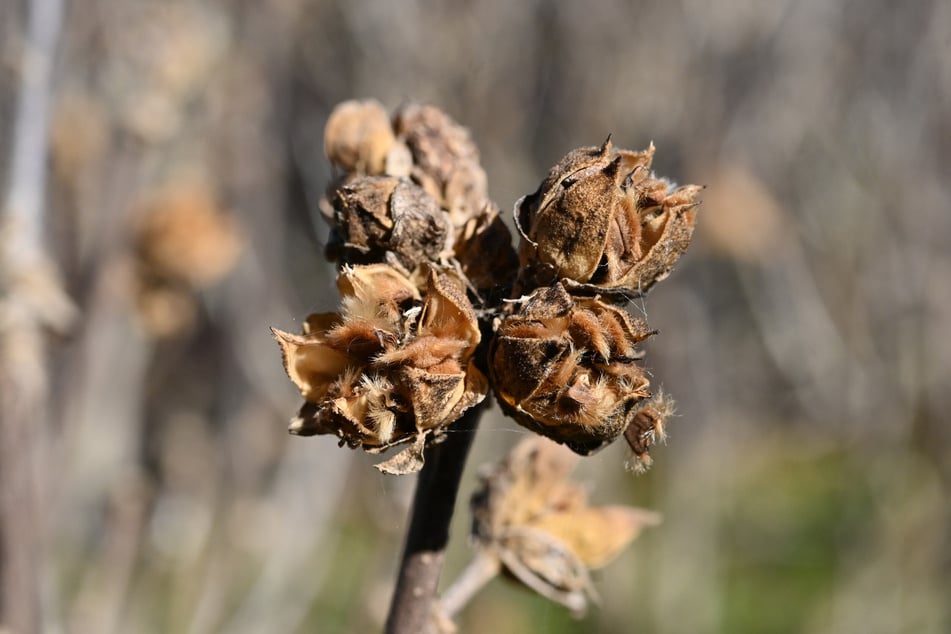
<point>412,607</point>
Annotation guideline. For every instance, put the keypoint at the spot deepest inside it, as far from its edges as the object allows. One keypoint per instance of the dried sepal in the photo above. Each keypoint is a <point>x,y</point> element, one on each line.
<point>358,137</point>
<point>603,221</point>
<point>383,218</point>
<point>395,366</point>
<point>597,535</point>
<point>539,524</point>
<point>565,367</point>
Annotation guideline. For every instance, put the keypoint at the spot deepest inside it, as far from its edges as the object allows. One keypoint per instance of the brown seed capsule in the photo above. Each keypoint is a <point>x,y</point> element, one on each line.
<point>358,137</point>
<point>537,522</point>
<point>395,366</point>
<point>565,367</point>
<point>602,220</point>
<point>445,160</point>
<point>648,426</point>
<point>377,218</point>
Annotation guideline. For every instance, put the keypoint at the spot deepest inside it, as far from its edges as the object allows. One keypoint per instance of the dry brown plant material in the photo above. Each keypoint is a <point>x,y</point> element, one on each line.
<point>648,426</point>
<point>358,137</point>
<point>565,367</point>
<point>395,366</point>
<point>387,219</point>
<point>445,160</point>
<point>602,219</point>
<point>539,524</point>
<point>183,242</point>
<point>431,286</point>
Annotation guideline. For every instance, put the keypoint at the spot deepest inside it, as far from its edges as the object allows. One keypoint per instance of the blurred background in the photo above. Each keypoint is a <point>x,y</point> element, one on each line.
<point>805,485</point>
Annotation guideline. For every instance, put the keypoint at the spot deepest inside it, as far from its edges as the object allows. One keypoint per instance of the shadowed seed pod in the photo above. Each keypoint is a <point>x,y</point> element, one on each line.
<point>484,251</point>
<point>445,160</point>
<point>394,366</point>
<point>564,367</point>
<point>602,220</point>
<point>383,218</point>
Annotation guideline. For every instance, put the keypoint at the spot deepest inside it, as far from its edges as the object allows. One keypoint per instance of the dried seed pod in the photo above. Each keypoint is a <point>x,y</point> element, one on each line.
<point>358,137</point>
<point>565,367</point>
<point>648,426</point>
<point>485,253</point>
<point>395,366</point>
<point>602,220</point>
<point>381,217</point>
<point>445,160</point>
<point>183,242</point>
<point>538,523</point>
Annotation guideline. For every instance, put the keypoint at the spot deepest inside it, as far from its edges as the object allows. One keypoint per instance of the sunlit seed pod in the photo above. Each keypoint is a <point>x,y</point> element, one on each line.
<point>603,221</point>
<point>394,366</point>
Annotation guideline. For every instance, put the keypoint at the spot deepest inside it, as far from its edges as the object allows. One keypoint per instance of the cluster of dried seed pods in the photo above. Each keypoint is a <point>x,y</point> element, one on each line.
<point>423,256</point>
<point>600,229</point>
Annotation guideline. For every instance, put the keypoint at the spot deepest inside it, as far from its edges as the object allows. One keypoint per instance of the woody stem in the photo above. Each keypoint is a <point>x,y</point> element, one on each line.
<point>412,606</point>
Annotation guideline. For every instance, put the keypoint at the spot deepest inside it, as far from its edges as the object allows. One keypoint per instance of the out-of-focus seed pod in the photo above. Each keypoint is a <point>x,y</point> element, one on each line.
<point>358,136</point>
<point>537,522</point>
<point>184,242</point>
<point>377,218</point>
<point>602,220</point>
<point>394,366</point>
<point>445,160</point>
<point>565,367</point>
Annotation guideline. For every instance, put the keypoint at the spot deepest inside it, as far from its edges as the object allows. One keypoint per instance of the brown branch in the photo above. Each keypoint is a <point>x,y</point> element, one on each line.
<point>412,607</point>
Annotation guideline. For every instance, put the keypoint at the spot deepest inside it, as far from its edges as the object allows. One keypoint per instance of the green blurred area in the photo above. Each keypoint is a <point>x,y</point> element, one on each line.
<point>805,485</point>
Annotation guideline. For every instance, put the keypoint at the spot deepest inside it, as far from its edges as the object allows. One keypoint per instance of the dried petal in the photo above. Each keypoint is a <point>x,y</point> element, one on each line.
<point>597,535</point>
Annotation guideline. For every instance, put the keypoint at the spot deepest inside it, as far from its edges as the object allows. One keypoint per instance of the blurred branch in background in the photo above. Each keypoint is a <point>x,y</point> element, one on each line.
<point>31,304</point>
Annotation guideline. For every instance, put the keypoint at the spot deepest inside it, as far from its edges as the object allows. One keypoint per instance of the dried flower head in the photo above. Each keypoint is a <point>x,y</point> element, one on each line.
<point>358,137</point>
<point>540,526</point>
<point>395,366</point>
<point>445,160</point>
<point>565,367</point>
<point>383,218</point>
<point>602,220</point>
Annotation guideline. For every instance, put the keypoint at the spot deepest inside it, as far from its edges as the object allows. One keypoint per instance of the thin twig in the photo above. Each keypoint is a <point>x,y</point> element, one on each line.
<point>483,568</point>
<point>411,610</point>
